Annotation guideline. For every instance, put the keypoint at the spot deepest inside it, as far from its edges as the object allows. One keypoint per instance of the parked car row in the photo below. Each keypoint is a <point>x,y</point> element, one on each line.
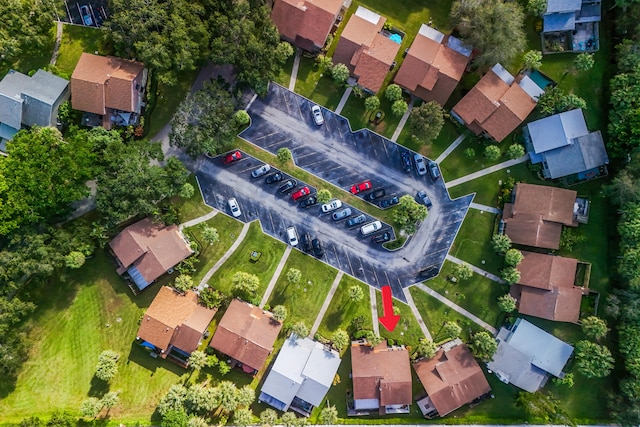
<point>355,218</point>
<point>421,164</point>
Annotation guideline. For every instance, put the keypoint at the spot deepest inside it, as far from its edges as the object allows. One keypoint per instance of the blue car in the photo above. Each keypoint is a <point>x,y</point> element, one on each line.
<point>86,15</point>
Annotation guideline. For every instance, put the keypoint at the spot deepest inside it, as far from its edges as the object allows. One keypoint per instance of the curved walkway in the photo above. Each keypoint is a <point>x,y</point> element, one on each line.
<point>325,304</point>
<point>225,257</point>
<point>276,275</point>
<point>487,171</point>
<point>198,220</point>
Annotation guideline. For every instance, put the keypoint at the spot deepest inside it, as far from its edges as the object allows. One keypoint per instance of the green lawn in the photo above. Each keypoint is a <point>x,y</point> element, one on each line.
<point>255,240</point>
<point>359,118</point>
<point>303,300</point>
<point>473,242</point>
<point>407,331</point>
<point>308,76</point>
<point>284,75</point>
<point>35,59</point>
<point>327,93</point>
<point>192,207</point>
<point>342,310</point>
<point>447,135</point>
<point>165,101</point>
<point>77,39</point>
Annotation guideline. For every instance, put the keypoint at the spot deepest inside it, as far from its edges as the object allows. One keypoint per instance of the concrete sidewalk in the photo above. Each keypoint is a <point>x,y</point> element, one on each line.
<point>487,171</point>
<point>452,147</point>
<point>198,220</point>
<point>374,311</point>
<point>477,270</point>
<point>294,71</point>
<point>325,304</point>
<point>485,208</point>
<point>403,121</point>
<point>225,257</point>
<point>343,100</point>
<point>416,313</point>
<point>276,275</point>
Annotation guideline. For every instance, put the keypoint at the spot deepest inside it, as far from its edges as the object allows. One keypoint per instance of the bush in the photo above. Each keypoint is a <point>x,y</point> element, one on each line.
<point>241,118</point>
<point>393,92</point>
<point>212,298</point>
<point>399,107</point>
<point>492,152</point>
<point>470,153</point>
<point>340,73</point>
<point>323,196</point>
<point>515,151</point>
<point>284,155</point>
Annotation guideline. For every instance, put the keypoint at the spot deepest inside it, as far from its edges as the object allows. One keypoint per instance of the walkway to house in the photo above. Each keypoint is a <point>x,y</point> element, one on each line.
<point>276,275</point>
<point>477,269</point>
<point>374,310</point>
<point>403,120</point>
<point>294,71</point>
<point>325,304</point>
<point>343,100</point>
<point>225,257</point>
<point>487,171</point>
<point>452,147</point>
<point>457,308</point>
<point>198,220</point>
<point>56,46</point>
<point>485,208</point>
<point>416,313</point>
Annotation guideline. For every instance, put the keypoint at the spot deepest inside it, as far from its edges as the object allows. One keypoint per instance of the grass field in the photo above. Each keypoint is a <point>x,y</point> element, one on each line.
<point>473,242</point>
<point>407,331</point>
<point>342,310</point>
<point>193,207</point>
<point>447,135</point>
<point>359,118</point>
<point>77,39</point>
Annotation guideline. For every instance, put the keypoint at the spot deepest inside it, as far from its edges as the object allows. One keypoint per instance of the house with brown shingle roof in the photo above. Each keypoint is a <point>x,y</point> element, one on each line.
<point>305,23</point>
<point>381,379</point>
<point>498,103</point>
<point>246,334</point>
<point>537,214</point>
<point>433,66</point>
<point>365,49</point>
<point>146,250</point>
<point>174,324</point>
<point>452,379</point>
<point>547,287</point>
<point>109,87</point>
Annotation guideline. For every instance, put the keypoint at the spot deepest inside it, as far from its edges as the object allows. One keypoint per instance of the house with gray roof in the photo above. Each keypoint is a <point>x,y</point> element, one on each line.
<point>301,376</point>
<point>29,101</point>
<point>564,146</point>
<point>571,26</point>
<point>527,356</point>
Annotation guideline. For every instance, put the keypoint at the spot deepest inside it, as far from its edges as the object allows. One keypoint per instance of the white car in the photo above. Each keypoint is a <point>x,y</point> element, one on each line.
<point>260,171</point>
<point>233,206</point>
<point>421,166</point>
<point>331,206</point>
<point>370,228</point>
<point>317,115</point>
<point>292,236</point>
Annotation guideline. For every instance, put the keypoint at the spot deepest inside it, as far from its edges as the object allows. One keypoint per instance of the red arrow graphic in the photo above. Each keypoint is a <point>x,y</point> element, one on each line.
<point>388,319</point>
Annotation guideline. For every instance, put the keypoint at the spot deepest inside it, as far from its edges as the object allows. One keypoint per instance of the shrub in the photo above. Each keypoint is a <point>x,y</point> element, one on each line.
<point>492,152</point>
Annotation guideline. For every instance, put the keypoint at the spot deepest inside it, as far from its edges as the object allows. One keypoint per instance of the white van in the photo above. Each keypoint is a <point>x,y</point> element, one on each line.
<point>292,236</point>
<point>371,227</point>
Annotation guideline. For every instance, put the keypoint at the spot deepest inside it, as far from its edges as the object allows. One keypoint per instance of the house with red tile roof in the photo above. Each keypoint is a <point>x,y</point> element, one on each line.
<point>498,103</point>
<point>381,379</point>
<point>366,49</point>
<point>433,66</point>
<point>305,23</point>
<point>109,87</point>
<point>174,324</point>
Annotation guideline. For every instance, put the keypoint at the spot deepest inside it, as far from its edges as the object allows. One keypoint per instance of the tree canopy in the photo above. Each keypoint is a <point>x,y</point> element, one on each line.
<point>427,121</point>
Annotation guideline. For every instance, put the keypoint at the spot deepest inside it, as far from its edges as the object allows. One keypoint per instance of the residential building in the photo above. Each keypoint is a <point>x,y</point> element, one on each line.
<point>527,356</point>
<point>29,101</point>
<point>498,103</point>
<point>571,26</point>
<point>547,287</point>
<point>564,146</point>
<point>367,49</point>
<point>110,89</point>
<point>381,379</point>
<point>452,379</point>
<point>246,334</point>
<point>434,65</point>
<point>146,250</point>
<point>305,23</point>
<point>174,324</point>
<point>537,213</point>
<point>301,376</point>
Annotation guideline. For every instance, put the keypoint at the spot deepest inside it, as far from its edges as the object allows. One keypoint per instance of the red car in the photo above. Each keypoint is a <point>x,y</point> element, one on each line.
<point>304,191</point>
<point>363,186</point>
<point>232,157</point>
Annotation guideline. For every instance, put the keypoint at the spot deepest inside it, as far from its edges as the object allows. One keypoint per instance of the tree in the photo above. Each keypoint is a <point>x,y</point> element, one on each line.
<point>513,257</point>
<point>226,394</point>
<point>289,419</point>
<point>110,400</point>
<point>463,271</point>
<point>300,329</point>
<point>245,285</point>
<point>623,126</point>
<point>536,7</point>
<point>426,121</point>
<point>107,367</point>
<point>500,243</point>
<point>223,368</point>
<point>409,212</point>
<point>198,360</point>
<point>183,283</point>
<point>268,417</point>
<point>340,73</point>
<point>425,348</point>
<point>554,100</point>
<point>393,92</point>
<point>243,417</point>
<point>533,58</point>
<point>241,118</point>
<point>594,327</point>
<point>451,330</point>
<point>483,345</point>
<point>294,276</point>
<point>510,275</point>
<point>470,153</point>
<point>493,27</point>
<point>328,415</point>
<point>356,294</point>
<point>323,196</point>
<point>507,303</point>
<point>173,400</point>
<point>372,103</point>
<point>175,418</point>
<point>197,422</point>
<point>567,380</point>
<point>279,313</point>
<point>399,107</point>
<point>62,419</point>
<point>210,235</point>
<point>187,191</point>
<point>246,396</point>
<point>584,62</point>
<point>74,259</point>
<point>492,152</point>
<point>340,339</point>
<point>593,360</point>
<point>204,122</point>
<point>324,63</point>
<point>90,407</point>
<point>543,407</point>
<point>628,56</point>
<point>515,151</point>
<point>284,155</point>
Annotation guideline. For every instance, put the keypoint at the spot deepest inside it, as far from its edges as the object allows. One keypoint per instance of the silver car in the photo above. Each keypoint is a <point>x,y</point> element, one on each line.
<point>337,216</point>
<point>421,166</point>
<point>233,206</point>
<point>317,115</point>
<point>260,171</point>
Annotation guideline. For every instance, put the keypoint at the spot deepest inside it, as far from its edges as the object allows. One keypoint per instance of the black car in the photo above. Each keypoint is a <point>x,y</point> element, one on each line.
<point>356,220</point>
<point>309,201</point>
<point>375,194</point>
<point>381,238</point>
<point>389,202</point>
<point>317,248</point>
<point>288,185</point>
<point>406,161</point>
<point>274,177</point>
<point>305,240</point>
<point>424,199</point>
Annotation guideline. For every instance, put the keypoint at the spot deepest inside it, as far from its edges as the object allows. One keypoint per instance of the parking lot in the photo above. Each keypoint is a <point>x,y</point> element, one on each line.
<point>85,12</point>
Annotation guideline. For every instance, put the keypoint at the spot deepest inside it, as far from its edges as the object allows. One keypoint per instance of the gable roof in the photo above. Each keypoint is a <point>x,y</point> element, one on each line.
<point>306,23</point>
<point>246,333</point>
<point>175,319</point>
<point>382,373</point>
<point>544,271</point>
<point>557,130</point>
<point>558,6</point>
<point>373,63</point>
<point>452,378</point>
<point>151,248</point>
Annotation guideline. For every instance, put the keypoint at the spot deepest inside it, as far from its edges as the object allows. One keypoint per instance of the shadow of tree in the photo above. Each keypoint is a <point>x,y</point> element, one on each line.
<point>98,387</point>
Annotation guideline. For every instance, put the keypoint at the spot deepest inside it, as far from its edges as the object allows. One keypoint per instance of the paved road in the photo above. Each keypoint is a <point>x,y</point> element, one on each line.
<point>325,304</point>
<point>274,278</point>
<point>487,171</point>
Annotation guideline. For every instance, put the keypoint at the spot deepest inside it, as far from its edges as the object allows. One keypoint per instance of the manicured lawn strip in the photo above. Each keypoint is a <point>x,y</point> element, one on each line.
<point>192,207</point>
<point>359,118</point>
<point>284,76</point>
<point>308,76</point>
<point>35,59</point>
<point>447,135</point>
<point>255,240</point>
<point>342,310</point>
<point>166,102</point>
<point>77,39</point>
<point>407,331</point>
<point>473,242</point>
<point>303,300</point>
<point>327,93</point>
